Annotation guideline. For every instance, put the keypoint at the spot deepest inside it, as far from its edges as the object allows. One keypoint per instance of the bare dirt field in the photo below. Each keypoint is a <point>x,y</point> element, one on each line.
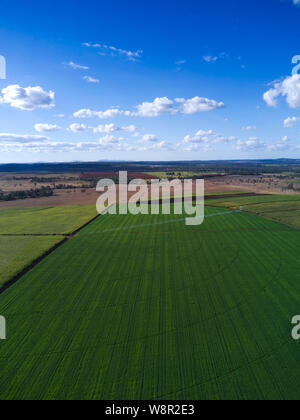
<point>80,192</point>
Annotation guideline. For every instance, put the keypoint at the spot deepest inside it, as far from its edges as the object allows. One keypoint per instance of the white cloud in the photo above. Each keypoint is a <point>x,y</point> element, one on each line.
<point>291,121</point>
<point>110,142</point>
<point>90,79</point>
<point>289,88</point>
<point>112,128</point>
<point>253,143</point>
<point>107,140</point>
<point>159,106</point>
<point>109,113</point>
<point>75,66</point>
<point>27,99</point>
<point>79,128</point>
<point>130,128</point>
<point>46,128</point>
<point>149,138</point>
<point>162,145</point>
<point>197,104</point>
<point>19,138</point>
<point>210,58</point>
<point>283,144</point>
<point>214,58</point>
<point>249,128</point>
<point>17,145</point>
<point>131,55</point>
<point>208,137</point>
<point>107,128</point>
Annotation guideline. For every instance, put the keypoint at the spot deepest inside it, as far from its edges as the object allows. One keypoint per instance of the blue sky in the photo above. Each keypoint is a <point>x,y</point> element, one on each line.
<point>149,80</point>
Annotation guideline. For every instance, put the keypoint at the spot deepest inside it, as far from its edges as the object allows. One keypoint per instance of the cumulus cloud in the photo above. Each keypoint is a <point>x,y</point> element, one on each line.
<point>160,106</point>
<point>103,115</point>
<point>253,143</point>
<point>291,121</point>
<point>249,128</point>
<point>288,88</point>
<point>112,128</point>
<point>158,146</point>
<point>208,137</point>
<point>79,128</point>
<point>130,128</point>
<point>107,128</point>
<point>46,128</point>
<point>198,104</point>
<point>149,138</point>
<point>283,144</point>
<point>19,138</point>
<point>27,99</point>
<point>35,145</point>
<point>110,142</point>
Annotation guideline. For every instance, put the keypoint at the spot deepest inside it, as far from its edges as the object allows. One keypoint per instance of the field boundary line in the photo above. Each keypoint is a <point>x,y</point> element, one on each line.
<point>25,270</point>
<point>259,215</point>
<point>34,263</point>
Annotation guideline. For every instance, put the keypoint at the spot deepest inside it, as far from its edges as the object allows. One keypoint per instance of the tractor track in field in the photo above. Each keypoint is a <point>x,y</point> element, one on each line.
<point>67,237</point>
<point>189,325</point>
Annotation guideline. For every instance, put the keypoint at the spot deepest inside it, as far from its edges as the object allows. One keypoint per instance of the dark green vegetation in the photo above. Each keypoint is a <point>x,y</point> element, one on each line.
<point>242,167</point>
<point>283,208</point>
<point>185,175</point>
<point>144,307</point>
<point>22,195</point>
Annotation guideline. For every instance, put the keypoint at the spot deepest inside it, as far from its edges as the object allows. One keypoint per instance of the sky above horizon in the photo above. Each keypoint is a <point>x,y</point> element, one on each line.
<point>149,80</point>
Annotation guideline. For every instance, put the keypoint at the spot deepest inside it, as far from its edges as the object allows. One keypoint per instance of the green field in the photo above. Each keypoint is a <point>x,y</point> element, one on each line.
<point>147,308</point>
<point>18,252</point>
<point>283,208</point>
<point>45,220</point>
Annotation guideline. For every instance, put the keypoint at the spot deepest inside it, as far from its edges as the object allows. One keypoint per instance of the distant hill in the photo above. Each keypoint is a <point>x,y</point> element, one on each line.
<point>247,167</point>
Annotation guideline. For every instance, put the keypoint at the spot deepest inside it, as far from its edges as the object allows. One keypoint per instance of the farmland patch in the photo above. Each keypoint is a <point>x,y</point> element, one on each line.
<point>158,311</point>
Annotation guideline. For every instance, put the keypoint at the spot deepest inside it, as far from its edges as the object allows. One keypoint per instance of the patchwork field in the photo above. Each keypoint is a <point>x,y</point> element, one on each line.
<point>22,229</point>
<point>283,208</point>
<point>45,220</point>
<point>147,308</point>
<point>18,252</point>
